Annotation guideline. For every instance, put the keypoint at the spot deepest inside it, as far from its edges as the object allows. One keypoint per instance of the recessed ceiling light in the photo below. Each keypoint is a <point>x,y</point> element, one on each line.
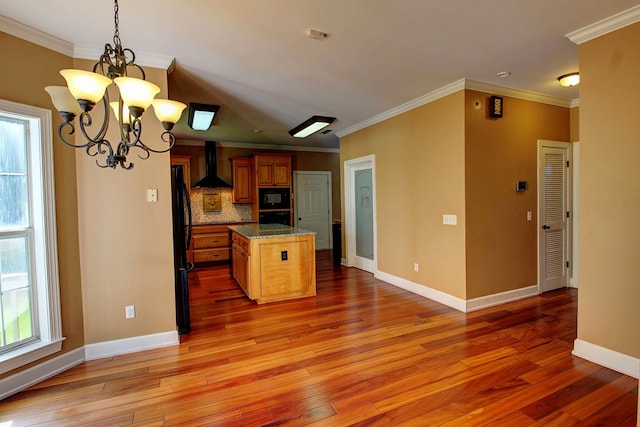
<point>316,35</point>
<point>503,74</point>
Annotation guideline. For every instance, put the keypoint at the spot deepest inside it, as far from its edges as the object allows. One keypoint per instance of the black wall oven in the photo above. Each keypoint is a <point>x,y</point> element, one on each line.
<point>274,198</point>
<point>275,217</point>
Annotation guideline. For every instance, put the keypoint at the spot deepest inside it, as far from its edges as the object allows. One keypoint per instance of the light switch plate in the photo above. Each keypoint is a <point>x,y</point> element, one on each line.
<point>450,219</point>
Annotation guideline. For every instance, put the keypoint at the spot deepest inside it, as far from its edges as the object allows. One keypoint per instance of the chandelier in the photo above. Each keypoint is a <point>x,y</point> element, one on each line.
<point>85,89</point>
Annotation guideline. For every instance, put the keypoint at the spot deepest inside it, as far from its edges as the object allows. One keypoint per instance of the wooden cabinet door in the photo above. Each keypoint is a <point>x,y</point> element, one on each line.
<point>264,173</point>
<point>282,173</point>
<point>242,180</point>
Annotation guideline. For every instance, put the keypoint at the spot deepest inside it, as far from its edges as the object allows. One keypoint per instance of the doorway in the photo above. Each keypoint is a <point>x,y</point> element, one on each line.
<point>555,214</point>
<point>360,213</point>
<point>312,204</point>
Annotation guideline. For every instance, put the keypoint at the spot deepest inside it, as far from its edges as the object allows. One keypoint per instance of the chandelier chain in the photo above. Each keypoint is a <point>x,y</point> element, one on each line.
<point>116,22</point>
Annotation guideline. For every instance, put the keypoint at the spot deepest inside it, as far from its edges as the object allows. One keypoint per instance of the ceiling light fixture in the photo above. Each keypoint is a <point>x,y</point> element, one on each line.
<point>311,126</point>
<point>201,116</point>
<point>85,89</point>
<point>569,80</point>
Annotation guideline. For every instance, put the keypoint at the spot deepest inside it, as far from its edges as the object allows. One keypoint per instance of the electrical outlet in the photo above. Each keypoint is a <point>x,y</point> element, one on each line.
<point>152,195</point>
<point>130,311</point>
<point>415,266</point>
<point>529,215</point>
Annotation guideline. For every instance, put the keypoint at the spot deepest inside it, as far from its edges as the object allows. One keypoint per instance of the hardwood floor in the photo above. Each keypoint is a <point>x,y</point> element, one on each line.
<point>361,352</point>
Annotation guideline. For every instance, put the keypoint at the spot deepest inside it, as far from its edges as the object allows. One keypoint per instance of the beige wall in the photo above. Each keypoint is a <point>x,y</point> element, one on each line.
<point>574,117</point>
<point>419,159</point>
<point>24,77</point>
<point>609,309</point>
<point>499,152</point>
<point>126,242</point>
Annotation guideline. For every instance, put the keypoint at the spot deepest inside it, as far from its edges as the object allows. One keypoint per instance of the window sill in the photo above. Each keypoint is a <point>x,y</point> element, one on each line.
<point>28,354</point>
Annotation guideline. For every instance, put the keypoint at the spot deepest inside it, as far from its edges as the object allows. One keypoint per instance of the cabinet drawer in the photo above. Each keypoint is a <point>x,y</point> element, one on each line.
<point>213,240</point>
<point>242,242</point>
<point>208,255</point>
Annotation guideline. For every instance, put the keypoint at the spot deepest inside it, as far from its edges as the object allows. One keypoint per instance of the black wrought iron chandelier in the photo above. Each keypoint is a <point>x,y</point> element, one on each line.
<point>85,89</point>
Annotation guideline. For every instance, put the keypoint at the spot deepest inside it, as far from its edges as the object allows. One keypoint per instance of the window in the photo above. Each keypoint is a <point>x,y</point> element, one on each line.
<point>30,326</point>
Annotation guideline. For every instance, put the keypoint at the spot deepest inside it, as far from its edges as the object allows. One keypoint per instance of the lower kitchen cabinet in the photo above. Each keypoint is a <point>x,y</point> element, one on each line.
<point>210,243</point>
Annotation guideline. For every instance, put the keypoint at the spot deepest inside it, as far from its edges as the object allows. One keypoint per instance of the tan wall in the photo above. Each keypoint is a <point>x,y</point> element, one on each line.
<point>126,242</point>
<point>301,160</point>
<point>501,244</point>
<point>24,77</point>
<point>609,309</point>
<point>419,159</point>
<point>574,118</point>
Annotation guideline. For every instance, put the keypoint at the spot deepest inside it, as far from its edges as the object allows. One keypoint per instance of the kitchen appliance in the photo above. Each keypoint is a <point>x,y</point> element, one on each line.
<point>181,210</point>
<point>274,198</point>
<point>275,217</point>
<point>211,179</point>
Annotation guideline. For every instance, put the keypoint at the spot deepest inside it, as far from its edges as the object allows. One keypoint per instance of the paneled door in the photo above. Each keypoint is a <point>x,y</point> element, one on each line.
<point>554,186</point>
<point>313,204</point>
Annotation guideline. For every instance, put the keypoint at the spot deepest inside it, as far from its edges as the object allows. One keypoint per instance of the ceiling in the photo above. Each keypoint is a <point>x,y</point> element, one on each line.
<point>254,59</point>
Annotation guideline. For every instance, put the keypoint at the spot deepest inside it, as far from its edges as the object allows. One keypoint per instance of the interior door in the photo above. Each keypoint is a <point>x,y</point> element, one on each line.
<point>313,205</point>
<point>555,214</point>
<point>360,213</point>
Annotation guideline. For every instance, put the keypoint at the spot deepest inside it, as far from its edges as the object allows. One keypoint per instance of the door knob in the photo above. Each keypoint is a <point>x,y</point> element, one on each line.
<point>545,227</point>
<point>299,219</point>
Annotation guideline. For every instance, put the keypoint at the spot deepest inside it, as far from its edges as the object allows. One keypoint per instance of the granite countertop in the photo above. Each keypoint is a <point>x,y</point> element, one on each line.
<point>255,231</point>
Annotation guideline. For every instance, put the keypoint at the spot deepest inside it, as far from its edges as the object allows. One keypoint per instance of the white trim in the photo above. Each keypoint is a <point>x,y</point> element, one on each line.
<point>279,147</point>
<point>17,382</point>
<point>64,47</point>
<point>35,36</point>
<point>424,291</point>
<point>396,111</point>
<point>605,26</point>
<point>501,298</point>
<point>131,345</point>
<point>526,95</point>
<point>142,59</point>
<point>608,358</point>
<point>456,87</point>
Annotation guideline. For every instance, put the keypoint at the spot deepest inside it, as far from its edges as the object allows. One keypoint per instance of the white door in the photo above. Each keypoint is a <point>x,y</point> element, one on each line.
<point>554,184</point>
<point>360,213</point>
<point>312,204</point>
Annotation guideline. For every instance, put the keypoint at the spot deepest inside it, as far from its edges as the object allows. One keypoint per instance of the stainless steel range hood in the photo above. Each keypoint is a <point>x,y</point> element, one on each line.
<point>211,179</point>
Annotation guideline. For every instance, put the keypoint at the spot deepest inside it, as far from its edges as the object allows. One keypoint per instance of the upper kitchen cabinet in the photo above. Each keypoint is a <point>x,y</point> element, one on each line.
<point>273,170</point>
<point>242,171</point>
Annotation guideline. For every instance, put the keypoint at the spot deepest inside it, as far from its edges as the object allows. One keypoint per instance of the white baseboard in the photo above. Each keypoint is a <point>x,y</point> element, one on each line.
<point>343,261</point>
<point>608,358</point>
<point>432,294</point>
<point>130,345</point>
<point>17,382</point>
<point>501,298</point>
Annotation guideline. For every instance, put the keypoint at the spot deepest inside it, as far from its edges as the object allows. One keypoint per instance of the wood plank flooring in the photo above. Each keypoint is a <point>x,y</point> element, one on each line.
<point>361,353</point>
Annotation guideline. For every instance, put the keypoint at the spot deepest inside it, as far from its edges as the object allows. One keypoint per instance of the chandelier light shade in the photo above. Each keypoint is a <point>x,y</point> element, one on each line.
<point>311,126</point>
<point>85,89</point>
<point>569,80</point>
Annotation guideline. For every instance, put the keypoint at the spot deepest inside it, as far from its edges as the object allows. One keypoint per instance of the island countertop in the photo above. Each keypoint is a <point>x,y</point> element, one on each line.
<point>259,231</point>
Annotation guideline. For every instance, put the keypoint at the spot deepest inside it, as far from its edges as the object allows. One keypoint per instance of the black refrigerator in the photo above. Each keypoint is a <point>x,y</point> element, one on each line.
<point>181,209</point>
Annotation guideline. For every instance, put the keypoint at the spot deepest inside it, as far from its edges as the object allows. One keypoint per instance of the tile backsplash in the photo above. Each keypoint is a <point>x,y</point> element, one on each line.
<point>229,212</point>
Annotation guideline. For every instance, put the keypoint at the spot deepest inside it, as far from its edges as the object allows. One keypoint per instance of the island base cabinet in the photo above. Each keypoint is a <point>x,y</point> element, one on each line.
<point>275,268</point>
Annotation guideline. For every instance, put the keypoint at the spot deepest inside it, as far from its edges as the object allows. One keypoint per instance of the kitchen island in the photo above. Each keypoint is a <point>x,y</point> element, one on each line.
<point>273,262</point>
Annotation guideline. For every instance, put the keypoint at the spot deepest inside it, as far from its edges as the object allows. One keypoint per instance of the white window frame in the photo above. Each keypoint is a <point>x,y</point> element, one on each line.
<point>44,253</point>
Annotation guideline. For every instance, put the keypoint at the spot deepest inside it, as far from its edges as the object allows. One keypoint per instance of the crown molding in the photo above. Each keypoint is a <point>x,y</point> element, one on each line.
<point>35,36</point>
<point>607,25</point>
<point>455,87</point>
<point>526,95</point>
<point>258,146</point>
<point>64,47</point>
<point>142,59</point>
<point>408,106</point>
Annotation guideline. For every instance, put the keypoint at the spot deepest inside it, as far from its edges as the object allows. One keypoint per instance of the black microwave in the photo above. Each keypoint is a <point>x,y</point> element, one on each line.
<point>274,198</point>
